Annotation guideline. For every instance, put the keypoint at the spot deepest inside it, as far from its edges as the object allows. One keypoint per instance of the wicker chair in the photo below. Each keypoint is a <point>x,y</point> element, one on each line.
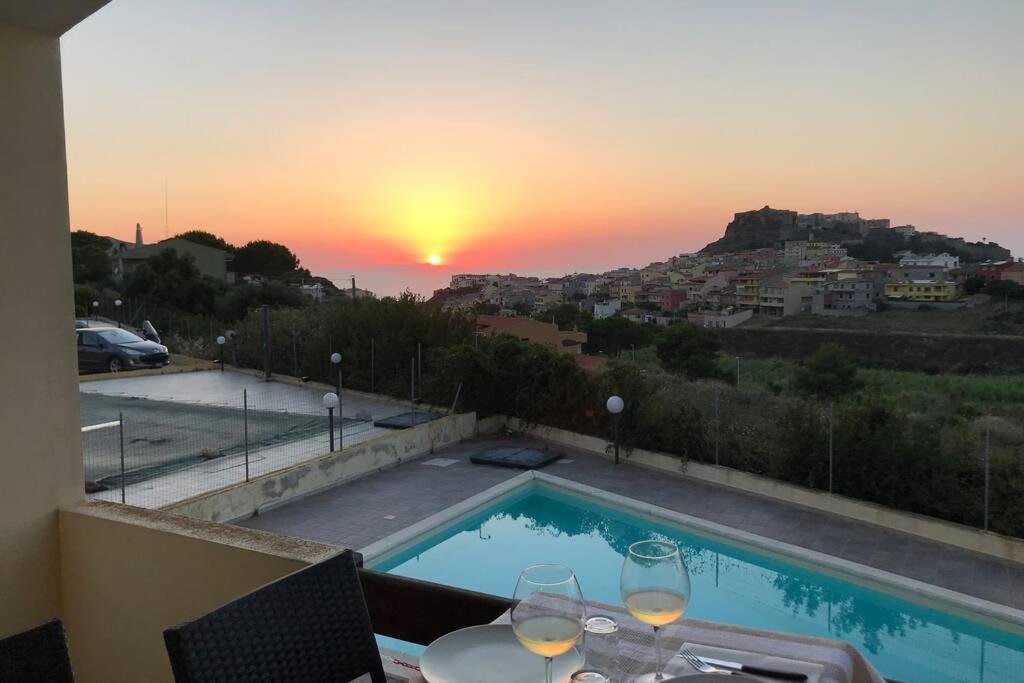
<point>39,655</point>
<point>308,627</point>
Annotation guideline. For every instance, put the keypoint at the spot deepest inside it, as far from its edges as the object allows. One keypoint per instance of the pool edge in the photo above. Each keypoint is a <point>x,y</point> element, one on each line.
<point>944,599</point>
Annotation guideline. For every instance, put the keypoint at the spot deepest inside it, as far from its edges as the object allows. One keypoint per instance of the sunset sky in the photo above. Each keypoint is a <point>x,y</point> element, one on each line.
<point>567,135</point>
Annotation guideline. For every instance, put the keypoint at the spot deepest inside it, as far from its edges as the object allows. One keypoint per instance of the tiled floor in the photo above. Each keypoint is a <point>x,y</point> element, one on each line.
<point>361,512</point>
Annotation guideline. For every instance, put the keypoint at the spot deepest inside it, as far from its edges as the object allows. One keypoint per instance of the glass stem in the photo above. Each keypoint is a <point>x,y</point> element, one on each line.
<point>657,654</point>
<point>547,669</point>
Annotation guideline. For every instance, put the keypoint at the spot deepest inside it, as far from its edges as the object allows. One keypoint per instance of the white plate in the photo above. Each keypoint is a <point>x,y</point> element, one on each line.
<point>485,654</point>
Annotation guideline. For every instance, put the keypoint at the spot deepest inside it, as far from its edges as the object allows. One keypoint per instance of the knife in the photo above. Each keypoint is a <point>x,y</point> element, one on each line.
<point>754,670</point>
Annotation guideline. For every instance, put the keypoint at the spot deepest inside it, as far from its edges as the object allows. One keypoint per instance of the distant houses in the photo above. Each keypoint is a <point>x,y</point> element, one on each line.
<point>211,262</point>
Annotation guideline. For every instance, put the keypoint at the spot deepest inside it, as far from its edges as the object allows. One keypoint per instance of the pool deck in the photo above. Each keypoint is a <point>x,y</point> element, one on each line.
<point>361,512</point>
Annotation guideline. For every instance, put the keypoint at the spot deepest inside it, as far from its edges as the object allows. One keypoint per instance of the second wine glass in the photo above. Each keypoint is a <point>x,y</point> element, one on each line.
<point>549,611</point>
<point>655,588</point>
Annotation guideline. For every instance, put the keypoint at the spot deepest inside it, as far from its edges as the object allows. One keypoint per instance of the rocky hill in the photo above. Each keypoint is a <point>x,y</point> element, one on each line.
<point>772,228</point>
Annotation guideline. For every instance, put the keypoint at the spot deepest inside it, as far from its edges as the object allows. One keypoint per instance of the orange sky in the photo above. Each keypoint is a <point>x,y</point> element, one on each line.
<point>531,136</point>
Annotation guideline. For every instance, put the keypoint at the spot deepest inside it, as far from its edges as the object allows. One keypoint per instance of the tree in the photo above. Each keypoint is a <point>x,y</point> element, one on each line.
<point>828,374</point>
<point>690,351</point>
<point>566,316</point>
<point>263,257</point>
<point>615,335</point>
<point>244,298</point>
<point>207,239</point>
<point>90,260</point>
<point>171,281</point>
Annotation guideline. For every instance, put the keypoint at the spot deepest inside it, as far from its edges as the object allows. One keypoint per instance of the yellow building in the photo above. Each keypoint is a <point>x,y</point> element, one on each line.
<point>922,290</point>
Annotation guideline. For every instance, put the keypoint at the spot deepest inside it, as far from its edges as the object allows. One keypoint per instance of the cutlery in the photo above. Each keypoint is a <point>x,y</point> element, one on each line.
<point>708,665</point>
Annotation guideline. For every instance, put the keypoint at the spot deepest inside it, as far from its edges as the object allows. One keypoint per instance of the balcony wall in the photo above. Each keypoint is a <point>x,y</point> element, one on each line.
<point>41,445</point>
<point>127,574</point>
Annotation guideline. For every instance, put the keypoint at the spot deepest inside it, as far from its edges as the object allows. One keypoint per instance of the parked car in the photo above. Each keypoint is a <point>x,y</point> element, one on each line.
<point>111,349</point>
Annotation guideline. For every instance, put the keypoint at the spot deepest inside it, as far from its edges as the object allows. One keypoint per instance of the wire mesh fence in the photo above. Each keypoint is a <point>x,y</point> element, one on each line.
<point>150,452</point>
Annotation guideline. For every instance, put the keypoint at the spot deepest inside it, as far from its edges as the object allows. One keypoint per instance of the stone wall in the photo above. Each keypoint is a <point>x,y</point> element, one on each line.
<point>898,350</point>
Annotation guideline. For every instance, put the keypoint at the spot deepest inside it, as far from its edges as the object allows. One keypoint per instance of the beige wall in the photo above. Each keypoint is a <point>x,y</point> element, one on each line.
<point>40,444</point>
<point>128,574</point>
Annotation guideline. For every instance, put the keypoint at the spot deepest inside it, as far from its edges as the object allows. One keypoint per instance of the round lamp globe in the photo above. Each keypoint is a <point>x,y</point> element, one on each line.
<point>615,405</point>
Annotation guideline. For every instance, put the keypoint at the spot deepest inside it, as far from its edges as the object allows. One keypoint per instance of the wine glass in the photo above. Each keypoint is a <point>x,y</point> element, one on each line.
<point>655,589</point>
<point>548,614</point>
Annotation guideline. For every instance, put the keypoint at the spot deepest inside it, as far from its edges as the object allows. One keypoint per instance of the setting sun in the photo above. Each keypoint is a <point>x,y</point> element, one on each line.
<point>434,260</point>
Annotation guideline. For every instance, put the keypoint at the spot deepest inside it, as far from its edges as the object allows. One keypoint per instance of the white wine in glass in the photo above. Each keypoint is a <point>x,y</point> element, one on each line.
<point>549,611</point>
<point>655,588</point>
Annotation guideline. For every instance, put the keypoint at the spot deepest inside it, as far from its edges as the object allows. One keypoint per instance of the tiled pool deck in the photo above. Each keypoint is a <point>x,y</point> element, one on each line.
<point>369,509</point>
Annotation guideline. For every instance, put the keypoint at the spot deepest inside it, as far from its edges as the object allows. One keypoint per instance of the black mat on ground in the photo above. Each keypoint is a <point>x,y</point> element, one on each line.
<point>519,458</point>
<point>406,420</point>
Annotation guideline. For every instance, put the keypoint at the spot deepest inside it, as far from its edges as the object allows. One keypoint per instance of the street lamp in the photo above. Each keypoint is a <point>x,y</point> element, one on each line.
<point>615,404</point>
<point>95,309</point>
<point>117,307</point>
<point>220,344</point>
<point>330,402</point>
<point>336,360</point>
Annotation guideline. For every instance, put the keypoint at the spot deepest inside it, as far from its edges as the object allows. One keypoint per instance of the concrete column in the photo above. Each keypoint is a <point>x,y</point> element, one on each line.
<point>40,440</point>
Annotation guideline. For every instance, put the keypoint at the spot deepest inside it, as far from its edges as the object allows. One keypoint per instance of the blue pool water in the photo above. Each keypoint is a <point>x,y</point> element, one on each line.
<point>904,640</point>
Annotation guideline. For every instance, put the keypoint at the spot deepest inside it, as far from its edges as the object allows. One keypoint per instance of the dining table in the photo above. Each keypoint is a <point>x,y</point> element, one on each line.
<point>823,660</point>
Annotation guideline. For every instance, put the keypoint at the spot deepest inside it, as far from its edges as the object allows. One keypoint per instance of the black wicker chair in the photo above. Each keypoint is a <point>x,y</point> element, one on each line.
<point>308,627</point>
<point>39,655</point>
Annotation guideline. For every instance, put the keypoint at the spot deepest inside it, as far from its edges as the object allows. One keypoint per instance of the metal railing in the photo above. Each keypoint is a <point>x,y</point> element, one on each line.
<point>150,452</point>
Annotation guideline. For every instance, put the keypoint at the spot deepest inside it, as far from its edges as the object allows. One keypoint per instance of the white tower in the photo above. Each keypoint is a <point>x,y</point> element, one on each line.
<point>138,234</point>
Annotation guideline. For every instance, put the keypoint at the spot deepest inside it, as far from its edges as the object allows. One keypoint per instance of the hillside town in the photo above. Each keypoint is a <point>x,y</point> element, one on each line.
<point>769,263</point>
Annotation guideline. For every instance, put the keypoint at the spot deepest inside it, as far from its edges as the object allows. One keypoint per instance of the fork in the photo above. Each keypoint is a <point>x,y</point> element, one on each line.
<point>702,666</point>
<point>705,668</point>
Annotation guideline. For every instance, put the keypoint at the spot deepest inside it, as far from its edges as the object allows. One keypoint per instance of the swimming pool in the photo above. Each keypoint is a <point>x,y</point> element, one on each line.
<point>906,640</point>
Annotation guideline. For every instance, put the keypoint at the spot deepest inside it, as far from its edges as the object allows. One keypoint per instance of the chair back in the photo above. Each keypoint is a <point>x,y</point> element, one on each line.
<point>308,627</point>
<point>39,655</point>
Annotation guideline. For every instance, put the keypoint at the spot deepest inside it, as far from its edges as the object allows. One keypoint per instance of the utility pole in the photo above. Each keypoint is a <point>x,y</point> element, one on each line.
<point>353,289</point>
<point>372,353</point>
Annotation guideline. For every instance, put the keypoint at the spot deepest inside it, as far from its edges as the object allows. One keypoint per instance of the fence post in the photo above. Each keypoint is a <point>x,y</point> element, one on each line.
<point>718,423</point>
<point>266,343</point>
<point>831,442</point>
<point>295,355</point>
<point>988,454</point>
<point>245,429</point>
<point>120,429</point>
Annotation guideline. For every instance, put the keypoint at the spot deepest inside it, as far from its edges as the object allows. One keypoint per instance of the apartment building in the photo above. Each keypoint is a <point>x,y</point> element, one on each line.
<point>943,260</point>
<point>922,291</point>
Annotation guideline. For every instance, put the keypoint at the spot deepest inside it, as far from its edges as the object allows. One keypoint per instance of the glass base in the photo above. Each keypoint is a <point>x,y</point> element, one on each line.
<point>587,676</point>
<point>650,678</point>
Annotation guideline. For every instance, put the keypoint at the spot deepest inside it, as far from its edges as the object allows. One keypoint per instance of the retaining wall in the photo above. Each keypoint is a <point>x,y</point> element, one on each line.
<point>246,499</point>
<point>921,352</point>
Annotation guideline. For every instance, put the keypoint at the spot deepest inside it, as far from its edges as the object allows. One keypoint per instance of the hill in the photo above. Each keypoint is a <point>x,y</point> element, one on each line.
<point>869,239</point>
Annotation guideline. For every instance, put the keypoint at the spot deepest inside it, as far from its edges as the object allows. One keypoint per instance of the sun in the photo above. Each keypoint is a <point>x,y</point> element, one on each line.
<point>434,260</point>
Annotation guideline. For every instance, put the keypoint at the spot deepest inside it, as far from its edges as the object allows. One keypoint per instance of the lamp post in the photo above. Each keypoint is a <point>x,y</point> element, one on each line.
<point>336,361</point>
<point>615,404</point>
<point>220,345</point>
<point>117,307</point>
<point>95,309</point>
<point>330,402</point>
